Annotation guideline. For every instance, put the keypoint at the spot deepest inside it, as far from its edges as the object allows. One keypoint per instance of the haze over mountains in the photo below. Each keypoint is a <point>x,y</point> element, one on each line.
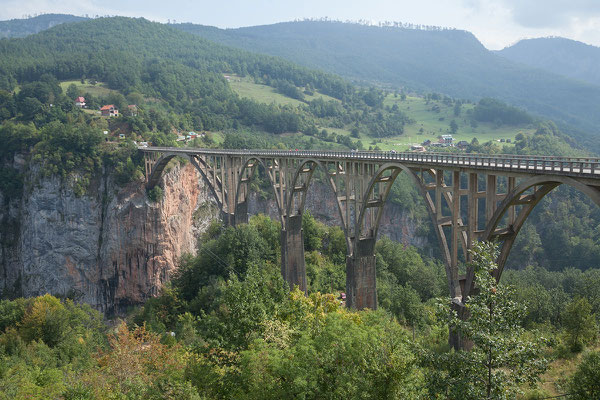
<point>559,55</point>
<point>562,85</point>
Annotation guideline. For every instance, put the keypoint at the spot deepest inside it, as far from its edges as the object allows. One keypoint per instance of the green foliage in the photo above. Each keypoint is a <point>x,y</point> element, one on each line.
<point>585,382</point>
<point>42,342</point>
<point>502,358</point>
<point>340,356</point>
<point>155,194</point>
<point>492,110</point>
<point>579,323</point>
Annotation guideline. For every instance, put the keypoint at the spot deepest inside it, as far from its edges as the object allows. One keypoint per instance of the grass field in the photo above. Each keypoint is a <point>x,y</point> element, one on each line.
<point>245,87</point>
<point>436,123</point>
<point>432,118</point>
<point>99,89</point>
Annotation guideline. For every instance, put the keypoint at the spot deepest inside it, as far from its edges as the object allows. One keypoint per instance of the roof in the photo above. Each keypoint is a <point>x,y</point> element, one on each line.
<point>107,107</point>
<point>80,99</point>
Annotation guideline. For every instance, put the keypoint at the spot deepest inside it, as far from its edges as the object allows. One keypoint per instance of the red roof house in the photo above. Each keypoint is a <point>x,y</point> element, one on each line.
<point>109,111</point>
<point>80,101</point>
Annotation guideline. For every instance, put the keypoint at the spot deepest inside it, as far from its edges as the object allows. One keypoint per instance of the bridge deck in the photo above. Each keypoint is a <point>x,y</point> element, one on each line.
<point>508,163</point>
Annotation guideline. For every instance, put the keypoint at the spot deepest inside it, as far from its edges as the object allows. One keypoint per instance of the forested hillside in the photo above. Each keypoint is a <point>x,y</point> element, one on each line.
<point>29,26</point>
<point>558,55</point>
<point>448,61</point>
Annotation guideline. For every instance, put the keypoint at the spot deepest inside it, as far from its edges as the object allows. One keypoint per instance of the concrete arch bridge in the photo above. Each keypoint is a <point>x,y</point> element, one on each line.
<point>469,197</point>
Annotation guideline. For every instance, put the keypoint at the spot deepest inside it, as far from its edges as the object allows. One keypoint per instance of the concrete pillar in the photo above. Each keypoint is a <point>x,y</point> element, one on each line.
<point>241,213</point>
<point>455,339</point>
<point>228,218</point>
<point>293,268</point>
<point>361,290</point>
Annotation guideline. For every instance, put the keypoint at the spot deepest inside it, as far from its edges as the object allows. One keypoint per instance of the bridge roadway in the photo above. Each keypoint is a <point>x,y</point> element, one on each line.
<point>469,197</point>
<point>583,167</point>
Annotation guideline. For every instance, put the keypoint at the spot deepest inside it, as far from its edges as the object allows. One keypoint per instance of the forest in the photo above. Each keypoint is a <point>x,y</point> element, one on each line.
<point>227,326</point>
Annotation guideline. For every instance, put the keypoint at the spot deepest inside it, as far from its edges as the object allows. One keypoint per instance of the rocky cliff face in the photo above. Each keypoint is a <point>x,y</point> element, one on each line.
<point>111,248</point>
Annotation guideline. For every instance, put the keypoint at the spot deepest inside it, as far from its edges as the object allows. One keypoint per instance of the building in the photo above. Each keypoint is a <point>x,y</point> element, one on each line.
<point>133,110</point>
<point>417,147</point>
<point>80,102</point>
<point>446,139</point>
<point>426,143</point>
<point>109,111</point>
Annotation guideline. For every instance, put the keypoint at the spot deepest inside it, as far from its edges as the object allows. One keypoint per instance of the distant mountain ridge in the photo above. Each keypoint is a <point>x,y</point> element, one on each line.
<point>29,26</point>
<point>453,62</point>
<point>562,56</point>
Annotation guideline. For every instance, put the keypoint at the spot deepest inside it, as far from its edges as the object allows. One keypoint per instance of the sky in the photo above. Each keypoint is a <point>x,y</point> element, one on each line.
<point>496,23</point>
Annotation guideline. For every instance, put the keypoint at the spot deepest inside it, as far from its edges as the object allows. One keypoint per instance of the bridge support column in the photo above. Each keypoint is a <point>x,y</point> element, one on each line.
<point>228,218</point>
<point>293,267</point>
<point>360,276</point>
<point>241,213</point>
<point>455,339</point>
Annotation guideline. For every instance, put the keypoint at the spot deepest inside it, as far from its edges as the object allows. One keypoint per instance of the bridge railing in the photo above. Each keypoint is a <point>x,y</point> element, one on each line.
<point>547,164</point>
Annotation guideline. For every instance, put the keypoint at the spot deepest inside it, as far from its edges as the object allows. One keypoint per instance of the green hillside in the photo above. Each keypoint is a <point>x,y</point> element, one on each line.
<point>448,61</point>
<point>429,118</point>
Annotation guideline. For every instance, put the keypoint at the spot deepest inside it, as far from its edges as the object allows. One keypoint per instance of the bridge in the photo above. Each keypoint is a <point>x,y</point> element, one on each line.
<point>469,197</point>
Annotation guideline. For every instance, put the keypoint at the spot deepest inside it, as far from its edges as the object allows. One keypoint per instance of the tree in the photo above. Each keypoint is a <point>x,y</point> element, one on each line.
<point>585,382</point>
<point>579,323</point>
<point>457,109</point>
<point>453,127</point>
<point>501,359</point>
<point>72,91</point>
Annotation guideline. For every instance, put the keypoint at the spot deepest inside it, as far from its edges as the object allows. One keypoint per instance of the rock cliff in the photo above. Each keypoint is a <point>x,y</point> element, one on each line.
<point>111,248</point>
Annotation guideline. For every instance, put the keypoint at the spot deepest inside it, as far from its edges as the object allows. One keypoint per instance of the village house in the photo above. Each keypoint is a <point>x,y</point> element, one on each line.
<point>109,111</point>
<point>446,139</point>
<point>133,110</point>
<point>80,102</point>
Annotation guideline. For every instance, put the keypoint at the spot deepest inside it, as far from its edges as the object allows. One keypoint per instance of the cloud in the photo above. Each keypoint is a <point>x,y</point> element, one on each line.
<point>551,13</point>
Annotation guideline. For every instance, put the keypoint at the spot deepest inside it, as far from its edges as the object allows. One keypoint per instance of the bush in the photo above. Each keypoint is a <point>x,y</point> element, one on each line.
<point>155,194</point>
<point>585,382</point>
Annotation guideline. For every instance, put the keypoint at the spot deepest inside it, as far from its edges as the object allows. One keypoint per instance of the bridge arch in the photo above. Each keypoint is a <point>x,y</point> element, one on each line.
<point>542,185</point>
<point>245,175</point>
<point>198,163</point>
<point>295,205</point>
<point>375,199</point>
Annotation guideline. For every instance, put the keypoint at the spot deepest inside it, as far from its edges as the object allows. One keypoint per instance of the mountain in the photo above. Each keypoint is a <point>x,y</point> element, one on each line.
<point>453,62</point>
<point>29,26</point>
<point>561,56</point>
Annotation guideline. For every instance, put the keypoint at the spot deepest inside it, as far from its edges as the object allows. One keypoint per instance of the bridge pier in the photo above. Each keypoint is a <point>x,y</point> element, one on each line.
<point>228,218</point>
<point>455,339</point>
<point>293,267</point>
<point>361,289</point>
<point>241,213</point>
